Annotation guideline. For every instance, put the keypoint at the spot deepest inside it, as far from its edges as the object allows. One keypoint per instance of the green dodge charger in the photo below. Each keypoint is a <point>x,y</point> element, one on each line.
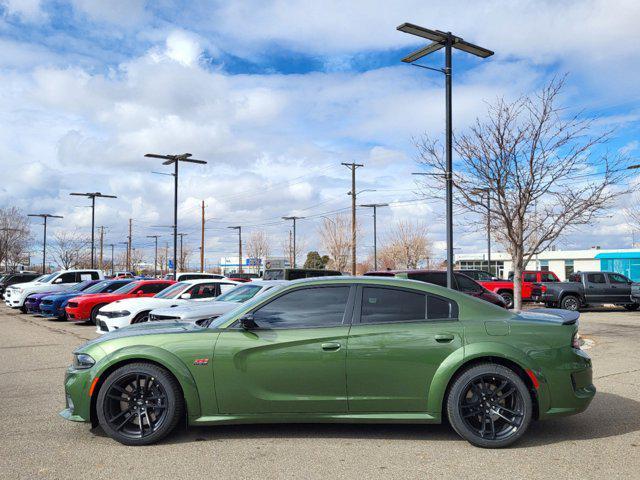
<point>339,349</point>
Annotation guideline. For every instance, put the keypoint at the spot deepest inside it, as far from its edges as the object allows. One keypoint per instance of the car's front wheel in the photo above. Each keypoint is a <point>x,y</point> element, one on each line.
<point>489,406</point>
<point>139,404</point>
<point>94,313</point>
<point>508,298</point>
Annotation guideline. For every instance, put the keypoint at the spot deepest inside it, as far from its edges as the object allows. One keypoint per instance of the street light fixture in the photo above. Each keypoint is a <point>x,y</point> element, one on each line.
<point>448,41</point>
<point>175,160</point>
<point>375,232</point>
<point>44,217</point>
<point>294,236</point>
<point>239,229</point>
<point>92,196</point>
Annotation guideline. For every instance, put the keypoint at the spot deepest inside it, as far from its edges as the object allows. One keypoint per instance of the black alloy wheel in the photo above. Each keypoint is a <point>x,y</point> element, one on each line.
<point>93,317</point>
<point>139,404</point>
<point>508,299</point>
<point>632,306</point>
<point>141,318</point>
<point>570,302</point>
<point>490,406</point>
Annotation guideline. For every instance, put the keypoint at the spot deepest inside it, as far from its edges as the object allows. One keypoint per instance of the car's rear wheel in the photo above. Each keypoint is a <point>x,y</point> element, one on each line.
<point>489,406</point>
<point>23,309</point>
<point>570,302</point>
<point>141,318</point>
<point>508,298</point>
<point>94,313</point>
<point>139,404</point>
<point>632,306</point>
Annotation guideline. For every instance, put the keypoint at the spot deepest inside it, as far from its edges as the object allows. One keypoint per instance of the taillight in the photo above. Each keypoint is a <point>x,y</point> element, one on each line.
<point>575,341</point>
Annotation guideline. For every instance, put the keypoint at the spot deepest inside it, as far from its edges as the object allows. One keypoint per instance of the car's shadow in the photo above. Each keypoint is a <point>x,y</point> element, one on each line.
<point>609,415</point>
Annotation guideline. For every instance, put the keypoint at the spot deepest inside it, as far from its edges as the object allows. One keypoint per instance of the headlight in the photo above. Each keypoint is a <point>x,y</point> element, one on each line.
<point>120,313</point>
<point>83,361</point>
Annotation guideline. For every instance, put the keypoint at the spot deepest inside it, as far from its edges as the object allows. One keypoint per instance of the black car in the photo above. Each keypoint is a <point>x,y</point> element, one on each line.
<point>13,278</point>
<point>297,273</point>
<point>587,288</point>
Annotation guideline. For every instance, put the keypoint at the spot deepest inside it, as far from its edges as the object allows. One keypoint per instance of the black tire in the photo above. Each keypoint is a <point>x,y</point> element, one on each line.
<point>508,298</point>
<point>136,391</point>
<point>23,309</point>
<point>632,307</point>
<point>503,402</point>
<point>140,318</point>
<point>570,302</point>
<point>94,313</point>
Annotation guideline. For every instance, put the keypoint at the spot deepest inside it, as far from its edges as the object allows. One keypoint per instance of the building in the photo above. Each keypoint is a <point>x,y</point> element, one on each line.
<point>561,262</point>
<point>229,265</point>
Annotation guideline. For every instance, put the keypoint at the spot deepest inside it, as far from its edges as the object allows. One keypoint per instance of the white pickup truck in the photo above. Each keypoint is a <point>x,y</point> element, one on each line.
<point>16,294</point>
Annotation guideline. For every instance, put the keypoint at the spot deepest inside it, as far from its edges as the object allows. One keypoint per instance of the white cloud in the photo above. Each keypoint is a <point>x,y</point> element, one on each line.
<point>183,47</point>
<point>29,11</point>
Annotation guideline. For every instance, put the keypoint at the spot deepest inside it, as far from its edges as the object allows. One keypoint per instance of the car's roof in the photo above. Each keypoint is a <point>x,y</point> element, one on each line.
<point>145,282</point>
<point>268,282</point>
<point>195,281</point>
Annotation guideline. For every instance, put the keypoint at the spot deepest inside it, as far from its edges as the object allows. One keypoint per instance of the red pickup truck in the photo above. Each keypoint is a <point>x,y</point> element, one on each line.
<point>504,288</point>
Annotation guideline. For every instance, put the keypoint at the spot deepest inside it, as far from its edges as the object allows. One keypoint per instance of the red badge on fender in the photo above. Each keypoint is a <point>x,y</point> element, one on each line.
<point>201,361</point>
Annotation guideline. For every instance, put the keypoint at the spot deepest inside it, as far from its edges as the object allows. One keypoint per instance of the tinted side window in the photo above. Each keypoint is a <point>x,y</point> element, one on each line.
<point>437,278</point>
<point>205,290</point>
<point>153,287</point>
<point>114,286</point>
<point>70,277</point>
<point>617,278</point>
<point>529,277</point>
<point>465,284</point>
<point>596,278</point>
<point>382,305</point>
<point>440,308</point>
<point>308,307</point>
<point>547,277</point>
<point>87,276</point>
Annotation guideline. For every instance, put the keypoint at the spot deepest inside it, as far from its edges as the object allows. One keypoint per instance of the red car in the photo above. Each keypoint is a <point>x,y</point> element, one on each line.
<point>529,277</point>
<point>81,309</point>
<point>504,288</point>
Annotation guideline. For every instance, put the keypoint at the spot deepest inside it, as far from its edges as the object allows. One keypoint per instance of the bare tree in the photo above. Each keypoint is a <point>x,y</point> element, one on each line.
<point>406,245</point>
<point>70,249</point>
<point>287,248</point>
<point>632,212</point>
<point>15,237</point>
<point>183,260</point>
<point>527,156</point>
<point>257,245</point>
<point>335,236</point>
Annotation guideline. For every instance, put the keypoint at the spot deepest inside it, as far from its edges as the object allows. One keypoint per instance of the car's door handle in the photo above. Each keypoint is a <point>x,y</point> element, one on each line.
<point>444,337</point>
<point>331,346</point>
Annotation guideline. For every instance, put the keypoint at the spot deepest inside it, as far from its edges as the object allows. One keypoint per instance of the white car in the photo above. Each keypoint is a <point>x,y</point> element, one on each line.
<point>16,294</point>
<point>220,305</point>
<point>124,312</point>
<point>182,276</point>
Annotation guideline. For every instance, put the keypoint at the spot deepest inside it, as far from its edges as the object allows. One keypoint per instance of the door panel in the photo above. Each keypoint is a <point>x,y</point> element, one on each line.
<point>596,288</point>
<point>619,288</point>
<point>281,370</point>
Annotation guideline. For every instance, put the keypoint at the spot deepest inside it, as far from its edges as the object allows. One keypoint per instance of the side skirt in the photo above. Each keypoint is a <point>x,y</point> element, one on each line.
<point>386,417</point>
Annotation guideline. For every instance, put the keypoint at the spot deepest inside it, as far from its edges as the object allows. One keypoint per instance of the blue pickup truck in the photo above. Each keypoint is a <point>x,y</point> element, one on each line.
<point>588,288</point>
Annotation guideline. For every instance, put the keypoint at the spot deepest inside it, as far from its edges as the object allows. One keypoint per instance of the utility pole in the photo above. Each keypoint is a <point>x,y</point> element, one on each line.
<point>294,236</point>
<point>375,231</point>
<point>100,266</point>
<point>155,258</point>
<point>130,239</point>
<point>239,229</point>
<point>44,217</point>
<point>92,196</point>
<point>448,41</point>
<point>175,159</point>
<point>112,247</point>
<point>181,258</point>
<point>202,242</point>
<point>353,166</point>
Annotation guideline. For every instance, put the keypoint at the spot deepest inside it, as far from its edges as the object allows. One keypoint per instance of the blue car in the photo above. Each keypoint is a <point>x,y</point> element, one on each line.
<point>53,306</point>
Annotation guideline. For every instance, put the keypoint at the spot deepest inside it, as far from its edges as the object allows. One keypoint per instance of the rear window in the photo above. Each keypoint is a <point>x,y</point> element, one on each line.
<point>548,277</point>
<point>596,278</point>
<point>530,277</point>
<point>385,305</point>
<point>437,278</point>
<point>276,274</point>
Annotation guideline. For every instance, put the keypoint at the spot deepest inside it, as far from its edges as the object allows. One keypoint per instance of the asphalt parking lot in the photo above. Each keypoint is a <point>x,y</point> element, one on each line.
<point>603,442</point>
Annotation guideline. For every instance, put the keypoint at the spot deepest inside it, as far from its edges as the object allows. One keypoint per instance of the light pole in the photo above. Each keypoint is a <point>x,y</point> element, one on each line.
<point>375,232</point>
<point>353,166</point>
<point>175,159</point>
<point>44,217</point>
<point>447,41</point>
<point>155,259</point>
<point>294,236</point>
<point>92,196</point>
<point>239,229</point>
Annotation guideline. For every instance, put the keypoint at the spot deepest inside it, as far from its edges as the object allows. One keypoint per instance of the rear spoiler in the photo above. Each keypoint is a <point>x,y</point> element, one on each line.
<point>567,317</point>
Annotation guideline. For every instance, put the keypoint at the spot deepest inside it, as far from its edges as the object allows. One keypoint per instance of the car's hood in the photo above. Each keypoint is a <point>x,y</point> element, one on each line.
<point>41,295</point>
<point>63,295</point>
<point>197,310</point>
<point>134,304</point>
<point>29,285</point>
<point>549,315</point>
<point>147,328</point>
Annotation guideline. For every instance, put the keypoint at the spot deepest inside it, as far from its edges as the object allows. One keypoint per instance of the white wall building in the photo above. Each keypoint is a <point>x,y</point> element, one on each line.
<point>561,262</point>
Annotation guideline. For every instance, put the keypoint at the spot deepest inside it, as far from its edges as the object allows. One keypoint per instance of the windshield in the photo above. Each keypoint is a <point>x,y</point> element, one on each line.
<point>222,319</point>
<point>173,291</point>
<point>240,294</point>
<point>128,288</point>
<point>274,274</point>
<point>79,287</point>
<point>45,278</point>
<point>98,287</point>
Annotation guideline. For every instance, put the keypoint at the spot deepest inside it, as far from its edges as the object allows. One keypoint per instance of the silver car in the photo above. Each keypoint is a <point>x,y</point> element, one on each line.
<point>214,308</point>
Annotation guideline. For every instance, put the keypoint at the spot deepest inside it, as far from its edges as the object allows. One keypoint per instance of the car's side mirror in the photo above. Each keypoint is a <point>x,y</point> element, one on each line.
<point>248,323</point>
<point>139,292</point>
<point>185,296</point>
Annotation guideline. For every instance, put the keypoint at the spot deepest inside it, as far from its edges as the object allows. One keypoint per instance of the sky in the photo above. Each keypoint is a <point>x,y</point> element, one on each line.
<point>275,95</point>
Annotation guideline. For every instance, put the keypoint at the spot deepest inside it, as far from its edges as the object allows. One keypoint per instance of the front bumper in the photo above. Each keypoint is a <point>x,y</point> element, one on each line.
<point>77,314</point>
<point>51,310</point>
<point>105,324</point>
<point>77,399</point>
